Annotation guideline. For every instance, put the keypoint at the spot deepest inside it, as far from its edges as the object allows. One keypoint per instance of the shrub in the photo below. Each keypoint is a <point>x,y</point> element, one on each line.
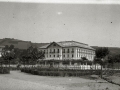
<point>4,70</point>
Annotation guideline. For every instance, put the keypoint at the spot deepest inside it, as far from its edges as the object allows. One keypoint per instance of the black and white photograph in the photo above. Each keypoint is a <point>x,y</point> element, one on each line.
<point>59,45</point>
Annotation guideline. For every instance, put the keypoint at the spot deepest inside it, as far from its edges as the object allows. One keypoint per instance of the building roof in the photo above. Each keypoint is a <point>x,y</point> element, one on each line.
<point>69,44</point>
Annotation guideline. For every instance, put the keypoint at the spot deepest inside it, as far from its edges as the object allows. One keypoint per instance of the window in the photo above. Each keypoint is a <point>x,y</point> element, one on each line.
<point>50,55</point>
<point>72,55</point>
<point>58,50</point>
<point>63,55</point>
<point>54,50</point>
<point>54,55</point>
<point>68,50</point>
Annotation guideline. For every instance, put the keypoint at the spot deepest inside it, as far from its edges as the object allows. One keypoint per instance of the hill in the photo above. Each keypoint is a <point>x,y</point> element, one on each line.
<point>113,50</point>
<point>19,43</point>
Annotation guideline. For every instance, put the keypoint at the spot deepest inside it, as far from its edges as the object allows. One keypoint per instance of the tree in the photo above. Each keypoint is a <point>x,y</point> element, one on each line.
<point>23,57</point>
<point>112,58</point>
<point>36,54</point>
<point>6,47</point>
<point>101,53</point>
<point>11,47</point>
<point>8,53</point>
<point>117,58</point>
<point>31,55</point>
<point>17,56</point>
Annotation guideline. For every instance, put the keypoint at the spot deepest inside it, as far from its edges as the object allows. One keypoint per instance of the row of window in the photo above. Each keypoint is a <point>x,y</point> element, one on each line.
<point>67,56</point>
<point>79,55</point>
<point>58,51</point>
<point>59,55</point>
<point>88,56</point>
<point>85,50</point>
<point>69,51</point>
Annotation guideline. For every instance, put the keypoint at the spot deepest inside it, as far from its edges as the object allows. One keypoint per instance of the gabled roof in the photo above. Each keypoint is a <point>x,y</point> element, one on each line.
<point>69,44</point>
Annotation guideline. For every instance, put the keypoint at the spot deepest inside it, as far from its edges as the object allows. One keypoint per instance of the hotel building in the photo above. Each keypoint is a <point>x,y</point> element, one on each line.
<point>67,50</point>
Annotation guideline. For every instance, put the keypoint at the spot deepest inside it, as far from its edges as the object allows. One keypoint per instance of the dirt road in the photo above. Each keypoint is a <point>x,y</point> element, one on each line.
<point>17,80</point>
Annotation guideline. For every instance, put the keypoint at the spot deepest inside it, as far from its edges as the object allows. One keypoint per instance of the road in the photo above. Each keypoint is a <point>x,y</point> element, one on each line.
<point>17,80</point>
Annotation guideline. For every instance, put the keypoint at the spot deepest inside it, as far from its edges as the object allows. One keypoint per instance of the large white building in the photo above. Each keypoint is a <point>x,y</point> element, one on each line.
<point>67,50</point>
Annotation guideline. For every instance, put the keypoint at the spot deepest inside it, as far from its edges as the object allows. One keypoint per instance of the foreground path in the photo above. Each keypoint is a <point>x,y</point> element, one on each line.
<point>17,80</point>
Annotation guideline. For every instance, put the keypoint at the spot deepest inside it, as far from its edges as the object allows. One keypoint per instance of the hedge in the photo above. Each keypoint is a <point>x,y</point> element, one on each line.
<point>51,72</point>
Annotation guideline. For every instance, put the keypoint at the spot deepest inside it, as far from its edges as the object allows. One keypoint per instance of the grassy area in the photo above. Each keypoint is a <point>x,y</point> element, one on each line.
<point>114,79</point>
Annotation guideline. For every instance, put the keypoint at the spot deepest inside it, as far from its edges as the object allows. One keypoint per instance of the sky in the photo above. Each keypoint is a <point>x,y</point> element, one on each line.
<point>95,24</point>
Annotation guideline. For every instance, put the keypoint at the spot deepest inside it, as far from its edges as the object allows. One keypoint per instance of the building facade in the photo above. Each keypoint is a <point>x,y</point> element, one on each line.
<point>67,50</point>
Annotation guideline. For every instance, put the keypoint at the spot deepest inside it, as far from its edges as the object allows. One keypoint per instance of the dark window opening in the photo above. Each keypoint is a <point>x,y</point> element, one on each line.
<point>58,50</point>
<point>72,55</point>
<point>68,50</point>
